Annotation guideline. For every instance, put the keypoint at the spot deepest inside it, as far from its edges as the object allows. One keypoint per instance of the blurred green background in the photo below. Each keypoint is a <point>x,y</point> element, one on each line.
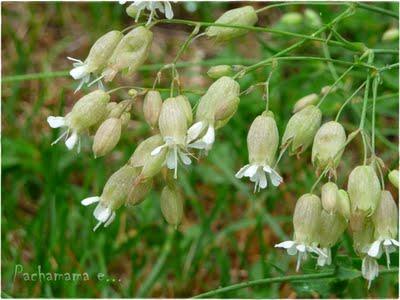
<point>228,233</point>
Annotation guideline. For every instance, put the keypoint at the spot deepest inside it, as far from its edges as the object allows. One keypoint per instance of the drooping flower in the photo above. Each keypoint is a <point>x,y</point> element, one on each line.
<point>306,223</point>
<point>215,109</point>
<point>385,219</point>
<point>364,190</point>
<point>136,8</point>
<point>242,16</point>
<point>329,197</point>
<point>331,229</point>
<point>114,195</point>
<point>88,111</point>
<point>173,125</point>
<point>301,129</point>
<point>130,53</point>
<point>369,269</point>
<point>96,60</point>
<point>328,146</point>
<point>171,204</point>
<point>394,177</point>
<point>262,143</point>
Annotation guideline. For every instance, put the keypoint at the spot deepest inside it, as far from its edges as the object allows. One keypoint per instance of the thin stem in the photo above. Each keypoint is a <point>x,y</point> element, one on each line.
<point>364,139</point>
<point>334,85</point>
<point>389,67</point>
<point>376,9</point>
<point>327,55</point>
<point>374,94</point>
<point>296,45</point>
<point>364,109</point>
<point>290,278</point>
<point>150,280</point>
<point>348,100</point>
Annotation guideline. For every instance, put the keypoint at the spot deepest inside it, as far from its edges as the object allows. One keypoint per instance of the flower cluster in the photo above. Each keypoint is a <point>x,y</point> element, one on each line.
<point>181,133</point>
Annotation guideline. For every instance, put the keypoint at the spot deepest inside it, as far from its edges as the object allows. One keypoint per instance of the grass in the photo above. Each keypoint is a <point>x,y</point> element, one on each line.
<point>228,232</point>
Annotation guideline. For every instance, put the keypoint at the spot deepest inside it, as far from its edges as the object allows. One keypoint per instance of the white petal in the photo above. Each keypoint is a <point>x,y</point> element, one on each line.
<point>263,180</point>
<point>71,141</point>
<point>251,171</point>
<point>157,150</point>
<point>387,242</point>
<point>104,214</point>
<point>375,249</point>
<point>209,137</point>
<point>267,169</point>
<point>276,179</point>
<point>369,269</point>
<point>394,242</point>
<point>198,145</point>
<point>194,131</point>
<point>241,172</point>
<point>122,2</point>
<point>171,164</point>
<point>90,200</point>
<point>292,250</point>
<point>56,122</point>
<point>110,220</point>
<point>285,244</point>
<point>185,158</point>
<point>301,248</point>
<point>79,72</point>
<point>169,14</point>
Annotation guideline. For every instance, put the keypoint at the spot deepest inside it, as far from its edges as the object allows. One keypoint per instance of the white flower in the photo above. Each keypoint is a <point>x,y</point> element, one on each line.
<point>152,6</point>
<point>175,153</point>
<point>81,72</point>
<point>206,141</point>
<point>369,269</point>
<point>388,245</point>
<point>301,250</point>
<point>326,259</point>
<point>103,213</point>
<point>70,140</point>
<point>257,174</point>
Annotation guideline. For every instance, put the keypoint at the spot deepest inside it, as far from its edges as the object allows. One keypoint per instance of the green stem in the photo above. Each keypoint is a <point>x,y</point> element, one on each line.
<point>296,45</point>
<point>327,55</point>
<point>377,9</point>
<point>374,95</point>
<point>348,100</point>
<point>365,101</point>
<point>150,280</point>
<point>290,278</point>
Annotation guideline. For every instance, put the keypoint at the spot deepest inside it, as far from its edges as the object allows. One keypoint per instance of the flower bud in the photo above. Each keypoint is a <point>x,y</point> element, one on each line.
<point>89,110</point>
<point>328,146</point>
<point>291,18</point>
<point>305,101</point>
<point>312,18</point>
<point>220,101</point>
<point>186,107</point>
<point>117,187</point>
<point>172,121</point>
<point>307,219</point>
<point>125,118</point>
<point>142,157</point>
<point>132,10</point>
<point>394,178</point>
<point>328,89</point>
<point>107,137</point>
<point>364,190</point>
<point>152,107</point>
<point>301,129</point>
<point>343,204</point>
<point>391,34</point>
<point>243,16</point>
<point>332,228</point>
<point>117,110</point>
<point>329,195</point>
<point>138,192</point>
<point>130,53</point>
<point>263,140</point>
<point>171,203</point>
<point>216,72</point>
<point>386,217</point>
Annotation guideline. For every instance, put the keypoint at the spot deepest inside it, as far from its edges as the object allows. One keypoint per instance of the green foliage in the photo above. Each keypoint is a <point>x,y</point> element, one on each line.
<point>228,233</point>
